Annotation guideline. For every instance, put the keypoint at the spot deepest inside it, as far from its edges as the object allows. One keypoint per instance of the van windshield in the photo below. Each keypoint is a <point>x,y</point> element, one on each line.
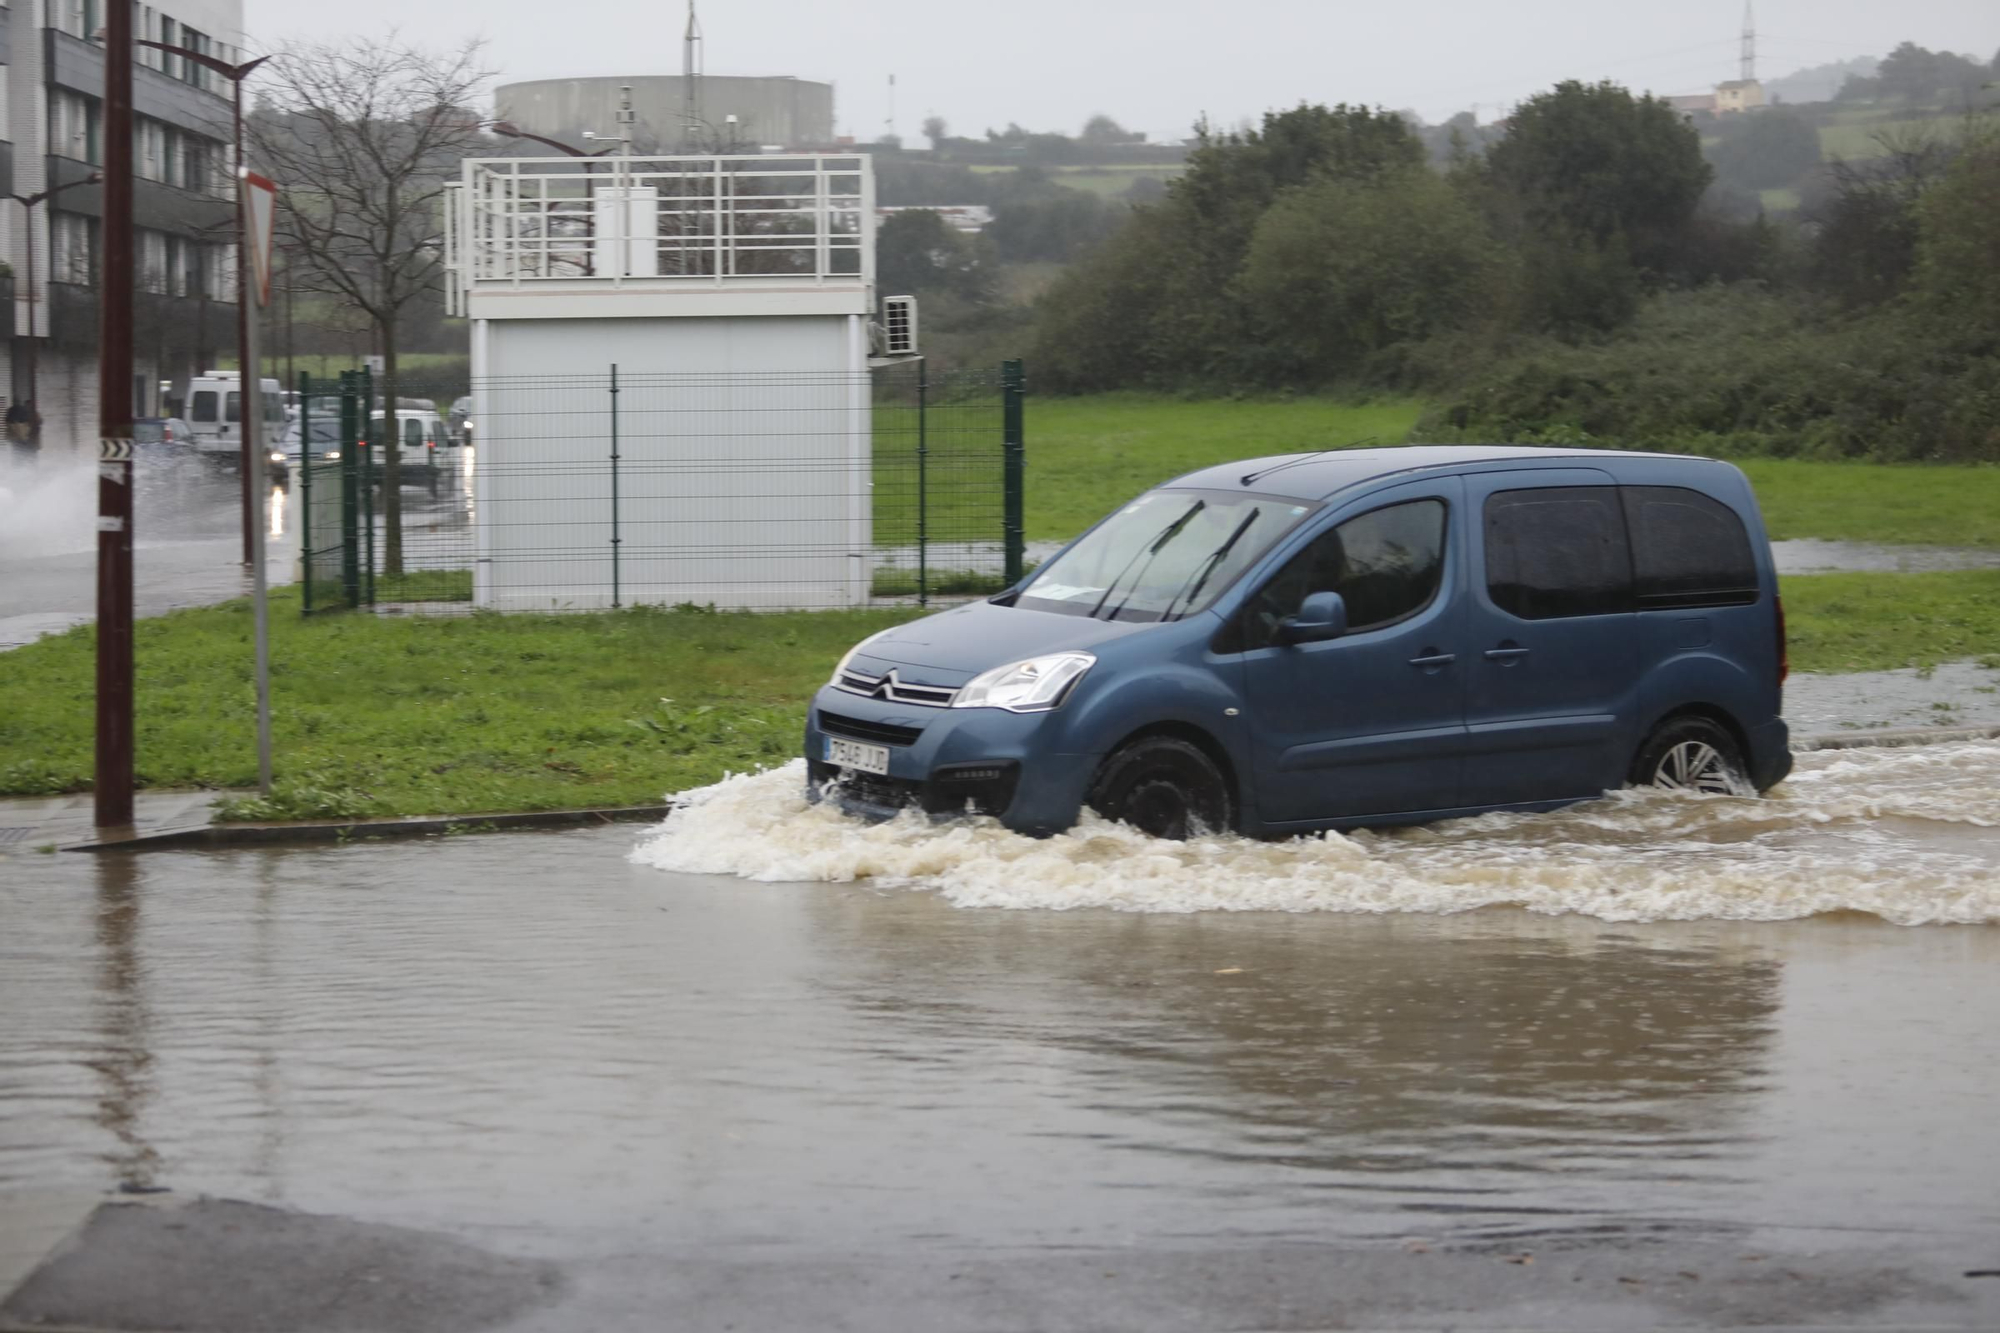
<point>1166,555</point>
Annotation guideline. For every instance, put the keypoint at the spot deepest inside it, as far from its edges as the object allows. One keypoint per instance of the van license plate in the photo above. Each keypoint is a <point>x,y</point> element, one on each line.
<point>851,754</point>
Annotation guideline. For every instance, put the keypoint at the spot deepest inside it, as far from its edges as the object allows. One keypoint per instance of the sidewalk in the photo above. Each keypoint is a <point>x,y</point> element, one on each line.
<point>34,823</point>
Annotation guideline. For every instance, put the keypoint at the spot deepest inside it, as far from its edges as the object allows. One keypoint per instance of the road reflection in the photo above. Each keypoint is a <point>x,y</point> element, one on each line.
<point>123,1060</point>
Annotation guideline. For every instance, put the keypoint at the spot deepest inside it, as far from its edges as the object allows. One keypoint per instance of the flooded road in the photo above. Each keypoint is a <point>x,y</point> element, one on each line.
<point>538,1042</point>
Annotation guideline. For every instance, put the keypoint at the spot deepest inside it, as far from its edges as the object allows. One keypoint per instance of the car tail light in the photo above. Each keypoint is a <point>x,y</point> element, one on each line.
<point>1784,650</point>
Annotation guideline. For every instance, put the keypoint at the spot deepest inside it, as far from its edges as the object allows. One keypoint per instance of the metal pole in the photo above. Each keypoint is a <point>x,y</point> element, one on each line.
<point>1013,388</point>
<point>253,444</point>
<point>247,380</point>
<point>614,486</point>
<point>304,382</point>
<point>923,483</point>
<point>34,328</point>
<point>112,785</point>
<point>353,421</point>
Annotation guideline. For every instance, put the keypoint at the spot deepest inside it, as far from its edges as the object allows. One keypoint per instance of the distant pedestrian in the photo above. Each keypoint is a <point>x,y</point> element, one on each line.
<point>23,439</point>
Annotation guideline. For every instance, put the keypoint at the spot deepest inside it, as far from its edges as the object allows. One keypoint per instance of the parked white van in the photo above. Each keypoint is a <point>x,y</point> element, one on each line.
<point>215,412</point>
<point>428,452</point>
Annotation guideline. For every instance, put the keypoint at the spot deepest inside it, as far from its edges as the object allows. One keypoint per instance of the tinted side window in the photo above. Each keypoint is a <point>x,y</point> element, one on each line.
<point>1557,551</point>
<point>232,406</point>
<point>1688,549</point>
<point>1387,564</point>
<point>204,405</point>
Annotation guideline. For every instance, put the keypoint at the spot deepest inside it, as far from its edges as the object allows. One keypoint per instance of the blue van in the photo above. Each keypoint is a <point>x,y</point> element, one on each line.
<point>1340,639</point>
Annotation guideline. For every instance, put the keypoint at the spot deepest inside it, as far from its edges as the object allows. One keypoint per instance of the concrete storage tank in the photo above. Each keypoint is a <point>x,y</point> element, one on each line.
<point>794,113</point>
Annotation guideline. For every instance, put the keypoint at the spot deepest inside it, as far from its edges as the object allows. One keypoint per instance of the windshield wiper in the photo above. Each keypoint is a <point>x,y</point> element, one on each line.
<point>1167,534</point>
<point>1209,564</point>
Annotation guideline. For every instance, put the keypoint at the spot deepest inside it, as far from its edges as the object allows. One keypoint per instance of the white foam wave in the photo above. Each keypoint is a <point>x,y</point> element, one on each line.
<point>1895,833</point>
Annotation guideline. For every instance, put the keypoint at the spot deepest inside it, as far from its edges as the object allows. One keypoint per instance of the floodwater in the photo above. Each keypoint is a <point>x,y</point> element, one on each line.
<point>189,546</point>
<point>550,1043</point>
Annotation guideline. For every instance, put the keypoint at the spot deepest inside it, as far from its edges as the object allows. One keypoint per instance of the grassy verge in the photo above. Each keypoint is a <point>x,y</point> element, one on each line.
<point>1872,622</point>
<point>1088,455</point>
<point>381,716</point>
<point>378,716</point>
<point>1891,503</point>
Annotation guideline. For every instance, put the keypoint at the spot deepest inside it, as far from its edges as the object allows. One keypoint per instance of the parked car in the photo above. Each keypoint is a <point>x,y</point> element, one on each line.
<point>1372,636</point>
<point>215,407</point>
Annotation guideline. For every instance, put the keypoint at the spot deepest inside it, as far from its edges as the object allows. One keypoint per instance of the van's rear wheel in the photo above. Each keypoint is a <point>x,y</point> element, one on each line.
<point>1693,754</point>
<point>1164,787</point>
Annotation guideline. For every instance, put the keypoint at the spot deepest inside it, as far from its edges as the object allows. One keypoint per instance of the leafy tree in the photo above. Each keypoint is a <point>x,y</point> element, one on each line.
<point>1592,160</point>
<point>936,131</point>
<point>1866,245</point>
<point>1772,148</point>
<point>1101,130</point>
<point>1958,245</point>
<point>365,134</point>
<point>1339,269</point>
<point>1060,225</point>
<point>918,252</point>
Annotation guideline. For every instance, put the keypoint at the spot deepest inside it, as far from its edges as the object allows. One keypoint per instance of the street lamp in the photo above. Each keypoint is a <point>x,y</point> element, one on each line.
<point>28,203</point>
<point>508,129</point>
<point>250,383</point>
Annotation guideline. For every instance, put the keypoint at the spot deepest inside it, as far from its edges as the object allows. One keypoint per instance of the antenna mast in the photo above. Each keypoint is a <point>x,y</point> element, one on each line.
<point>1748,71</point>
<point>691,59</point>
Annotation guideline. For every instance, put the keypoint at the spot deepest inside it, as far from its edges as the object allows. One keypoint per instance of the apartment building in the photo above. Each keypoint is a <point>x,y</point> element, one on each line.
<point>52,139</point>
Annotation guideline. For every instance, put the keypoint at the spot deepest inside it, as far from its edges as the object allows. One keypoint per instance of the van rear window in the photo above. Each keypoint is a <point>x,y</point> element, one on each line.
<point>1688,549</point>
<point>1557,551</point>
<point>204,405</point>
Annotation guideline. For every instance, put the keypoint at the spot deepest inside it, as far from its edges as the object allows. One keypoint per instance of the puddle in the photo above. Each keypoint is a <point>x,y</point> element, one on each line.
<point>1809,555</point>
<point>1851,831</point>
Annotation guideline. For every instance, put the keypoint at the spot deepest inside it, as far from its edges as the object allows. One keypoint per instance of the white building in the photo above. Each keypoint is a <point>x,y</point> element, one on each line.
<point>733,296</point>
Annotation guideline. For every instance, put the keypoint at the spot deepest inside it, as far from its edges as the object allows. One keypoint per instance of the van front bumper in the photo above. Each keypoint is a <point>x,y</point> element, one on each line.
<point>947,762</point>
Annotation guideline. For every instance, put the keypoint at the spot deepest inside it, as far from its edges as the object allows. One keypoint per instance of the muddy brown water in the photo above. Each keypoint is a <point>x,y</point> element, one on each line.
<point>552,1044</point>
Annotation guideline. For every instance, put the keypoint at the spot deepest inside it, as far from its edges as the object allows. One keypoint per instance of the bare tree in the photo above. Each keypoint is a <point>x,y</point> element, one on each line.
<point>362,135</point>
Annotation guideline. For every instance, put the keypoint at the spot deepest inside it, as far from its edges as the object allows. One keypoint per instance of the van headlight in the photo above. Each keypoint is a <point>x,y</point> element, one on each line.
<point>1033,686</point>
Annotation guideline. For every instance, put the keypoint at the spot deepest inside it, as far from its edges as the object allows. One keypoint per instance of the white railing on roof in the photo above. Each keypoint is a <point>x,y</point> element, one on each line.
<point>750,220</point>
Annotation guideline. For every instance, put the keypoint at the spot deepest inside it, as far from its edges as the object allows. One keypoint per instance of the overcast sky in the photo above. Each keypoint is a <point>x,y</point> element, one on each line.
<point>1049,64</point>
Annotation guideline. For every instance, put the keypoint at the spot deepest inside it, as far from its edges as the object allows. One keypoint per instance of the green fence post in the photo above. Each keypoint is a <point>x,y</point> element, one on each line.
<point>305,494</point>
<point>1013,389</point>
<point>923,482</point>
<point>614,486</point>
<point>368,474</point>
<point>351,425</point>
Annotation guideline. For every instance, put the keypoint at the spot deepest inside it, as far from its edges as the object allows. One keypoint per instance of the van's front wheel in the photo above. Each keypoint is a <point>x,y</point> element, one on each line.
<point>1164,787</point>
<point>1693,754</point>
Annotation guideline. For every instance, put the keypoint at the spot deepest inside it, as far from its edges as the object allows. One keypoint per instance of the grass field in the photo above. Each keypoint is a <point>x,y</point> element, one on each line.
<point>391,715</point>
<point>1854,135</point>
<point>410,365</point>
<point>1895,504</point>
<point>1088,455</point>
<point>1111,181</point>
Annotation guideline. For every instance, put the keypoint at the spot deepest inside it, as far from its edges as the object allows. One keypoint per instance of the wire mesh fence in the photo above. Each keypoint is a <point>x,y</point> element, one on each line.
<point>766,491</point>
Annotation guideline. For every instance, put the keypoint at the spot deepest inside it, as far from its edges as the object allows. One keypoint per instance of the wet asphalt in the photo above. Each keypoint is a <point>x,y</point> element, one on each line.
<point>836,1105</point>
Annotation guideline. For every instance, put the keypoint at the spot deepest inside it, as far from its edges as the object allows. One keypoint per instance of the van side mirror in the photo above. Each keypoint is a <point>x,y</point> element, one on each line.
<point>1323,616</point>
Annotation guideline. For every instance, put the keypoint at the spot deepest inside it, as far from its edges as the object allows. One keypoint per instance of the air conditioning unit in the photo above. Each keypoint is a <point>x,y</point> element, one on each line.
<point>899,326</point>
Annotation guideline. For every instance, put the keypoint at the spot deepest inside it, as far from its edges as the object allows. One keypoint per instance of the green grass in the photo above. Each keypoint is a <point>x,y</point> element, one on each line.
<point>1781,200</point>
<point>1855,139</point>
<point>1088,455</point>
<point>1891,503</point>
<point>458,715</point>
<point>1873,622</point>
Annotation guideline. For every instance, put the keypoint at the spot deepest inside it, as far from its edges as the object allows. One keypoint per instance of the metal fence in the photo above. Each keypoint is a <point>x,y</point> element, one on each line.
<point>767,491</point>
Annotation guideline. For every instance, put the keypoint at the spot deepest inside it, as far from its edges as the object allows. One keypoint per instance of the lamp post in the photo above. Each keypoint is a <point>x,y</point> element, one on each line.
<point>250,395</point>
<point>507,129</point>
<point>27,203</point>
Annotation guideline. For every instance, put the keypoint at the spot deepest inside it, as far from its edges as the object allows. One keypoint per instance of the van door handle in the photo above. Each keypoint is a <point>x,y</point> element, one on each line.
<point>1434,660</point>
<point>1506,654</point>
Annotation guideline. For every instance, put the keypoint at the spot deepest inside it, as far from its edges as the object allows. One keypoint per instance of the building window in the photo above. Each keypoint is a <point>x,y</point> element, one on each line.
<point>177,267</point>
<point>153,272</point>
<point>74,248</point>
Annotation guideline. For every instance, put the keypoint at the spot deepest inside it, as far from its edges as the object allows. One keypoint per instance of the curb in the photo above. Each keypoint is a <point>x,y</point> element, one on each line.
<point>267,832</point>
<point>409,826</point>
<point>1855,740</point>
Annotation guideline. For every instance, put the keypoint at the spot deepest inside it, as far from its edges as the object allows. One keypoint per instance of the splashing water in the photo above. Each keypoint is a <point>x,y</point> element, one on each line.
<point>47,509</point>
<point>1902,834</point>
